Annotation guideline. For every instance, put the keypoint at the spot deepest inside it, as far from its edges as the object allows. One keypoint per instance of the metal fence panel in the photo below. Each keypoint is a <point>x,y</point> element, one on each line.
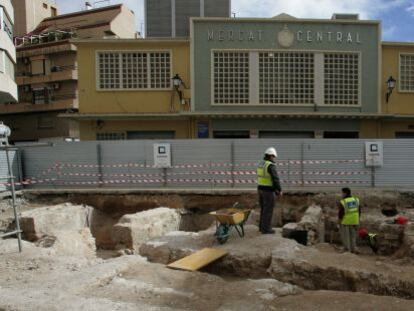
<point>216,163</point>
<point>61,164</point>
<point>4,170</point>
<point>398,169</point>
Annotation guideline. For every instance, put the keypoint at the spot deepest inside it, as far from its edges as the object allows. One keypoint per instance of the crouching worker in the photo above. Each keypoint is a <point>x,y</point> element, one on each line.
<point>348,215</point>
<point>371,239</point>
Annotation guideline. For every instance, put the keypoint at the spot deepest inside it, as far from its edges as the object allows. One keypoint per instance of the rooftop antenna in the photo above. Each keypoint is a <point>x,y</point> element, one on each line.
<point>99,2</point>
<point>88,6</point>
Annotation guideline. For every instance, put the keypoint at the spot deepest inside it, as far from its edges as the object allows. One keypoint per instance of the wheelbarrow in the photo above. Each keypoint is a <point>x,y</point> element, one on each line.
<point>229,218</point>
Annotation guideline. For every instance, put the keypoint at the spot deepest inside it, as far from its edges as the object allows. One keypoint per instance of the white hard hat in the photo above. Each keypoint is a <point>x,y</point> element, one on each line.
<point>271,151</point>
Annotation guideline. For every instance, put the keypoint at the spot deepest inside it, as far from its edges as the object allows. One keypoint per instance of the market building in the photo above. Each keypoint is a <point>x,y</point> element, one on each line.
<point>284,77</point>
<point>247,78</point>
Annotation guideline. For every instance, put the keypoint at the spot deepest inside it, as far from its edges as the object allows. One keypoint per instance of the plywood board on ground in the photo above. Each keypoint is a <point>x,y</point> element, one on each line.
<point>198,260</point>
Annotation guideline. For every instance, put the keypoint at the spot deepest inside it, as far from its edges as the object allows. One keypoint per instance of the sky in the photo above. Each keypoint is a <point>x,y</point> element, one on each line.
<point>397,16</point>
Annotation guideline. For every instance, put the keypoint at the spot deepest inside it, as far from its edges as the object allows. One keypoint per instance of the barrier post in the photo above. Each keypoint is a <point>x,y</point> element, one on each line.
<point>302,164</point>
<point>99,161</point>
<point>232,163</point>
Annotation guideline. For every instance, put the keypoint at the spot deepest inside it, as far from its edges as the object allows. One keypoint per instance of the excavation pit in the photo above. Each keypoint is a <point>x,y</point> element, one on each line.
<point>273,265</point>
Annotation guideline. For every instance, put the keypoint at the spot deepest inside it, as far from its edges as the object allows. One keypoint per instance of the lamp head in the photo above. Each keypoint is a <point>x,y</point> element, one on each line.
<point>177,81</point>
<point>391,82</point>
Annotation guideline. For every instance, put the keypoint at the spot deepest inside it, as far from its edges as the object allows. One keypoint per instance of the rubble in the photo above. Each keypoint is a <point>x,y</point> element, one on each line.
<point>264,256</point>
<point>288,229</point>
<point>64,228</point>
<point>312,222</point>
<point>260,272</point>
<point>46,221</point>
<point>134,229</point>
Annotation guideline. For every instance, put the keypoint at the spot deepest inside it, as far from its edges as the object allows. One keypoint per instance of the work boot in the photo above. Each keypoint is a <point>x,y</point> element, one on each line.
<point>271,231</point>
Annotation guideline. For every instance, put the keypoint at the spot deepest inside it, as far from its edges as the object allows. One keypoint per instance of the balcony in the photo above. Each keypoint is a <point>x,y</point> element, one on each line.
<point>56,41</point>
<point>57,103</point>
<point>58,73</point>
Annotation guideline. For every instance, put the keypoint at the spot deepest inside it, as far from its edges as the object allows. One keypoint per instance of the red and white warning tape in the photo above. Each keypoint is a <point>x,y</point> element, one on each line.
<point>183,180</point>
<point>222,173</point>
<point>30,182</point>
<point>202,165</point>
<point>210,181</point>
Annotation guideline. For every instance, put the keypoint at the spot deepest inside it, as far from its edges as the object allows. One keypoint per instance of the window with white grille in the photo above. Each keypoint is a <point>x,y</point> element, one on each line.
<point>341,72</point>
<point>110,136</point>
<point>160,70</point>
<point>286,78</point>
<point>407,73</point>
<point>134,70</point>
<point>231,77</point>
<point>109,71</point>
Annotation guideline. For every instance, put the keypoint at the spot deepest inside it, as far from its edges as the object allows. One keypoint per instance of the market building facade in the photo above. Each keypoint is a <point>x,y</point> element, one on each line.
<point>286,77</point>
<point>248,78</point>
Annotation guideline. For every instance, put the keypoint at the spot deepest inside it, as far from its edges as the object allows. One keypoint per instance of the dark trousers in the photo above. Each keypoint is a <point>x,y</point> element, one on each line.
<point>267,203</point>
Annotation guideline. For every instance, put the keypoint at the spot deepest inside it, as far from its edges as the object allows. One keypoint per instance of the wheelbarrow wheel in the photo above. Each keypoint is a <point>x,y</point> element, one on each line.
<point>222,233</point>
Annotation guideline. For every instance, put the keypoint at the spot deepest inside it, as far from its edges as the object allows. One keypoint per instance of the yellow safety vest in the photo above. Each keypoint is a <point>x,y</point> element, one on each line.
<point>263,176</point>
<point>351,207</point>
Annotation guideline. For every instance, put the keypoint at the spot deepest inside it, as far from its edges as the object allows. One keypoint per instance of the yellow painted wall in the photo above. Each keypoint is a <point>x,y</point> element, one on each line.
<point>369,129</point>
<point>399,102</point>
<point>88,129</point>
<point>93,101</point>
<point>384,129</point>
<point>388,128</point>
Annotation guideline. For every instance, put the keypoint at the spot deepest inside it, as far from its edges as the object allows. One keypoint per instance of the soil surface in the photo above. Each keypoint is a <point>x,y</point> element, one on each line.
<point>42,279</point>
<point>37,280</point>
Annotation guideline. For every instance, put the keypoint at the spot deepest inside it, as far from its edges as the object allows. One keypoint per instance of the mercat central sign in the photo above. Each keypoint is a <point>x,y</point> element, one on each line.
<point>286,37</point>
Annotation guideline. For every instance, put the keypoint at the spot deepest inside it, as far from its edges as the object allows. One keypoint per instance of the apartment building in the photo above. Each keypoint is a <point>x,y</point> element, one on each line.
<point>29,13</point>
<point>8,88</point>
<point>171,18</point>
<point>47,71</point>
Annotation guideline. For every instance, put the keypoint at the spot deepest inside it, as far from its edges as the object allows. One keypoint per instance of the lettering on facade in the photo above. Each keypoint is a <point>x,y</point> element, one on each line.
<point>328,36</point>
<point>308,36</point>
<point>231,35</point>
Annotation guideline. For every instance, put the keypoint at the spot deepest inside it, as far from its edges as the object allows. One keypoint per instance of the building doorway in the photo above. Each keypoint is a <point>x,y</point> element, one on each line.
<point>231,134</point>
<point>340,135</point>
<point>151,135</point>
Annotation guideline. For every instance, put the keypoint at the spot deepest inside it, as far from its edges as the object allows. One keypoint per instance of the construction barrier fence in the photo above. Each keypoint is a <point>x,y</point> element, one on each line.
<point>210,164</point>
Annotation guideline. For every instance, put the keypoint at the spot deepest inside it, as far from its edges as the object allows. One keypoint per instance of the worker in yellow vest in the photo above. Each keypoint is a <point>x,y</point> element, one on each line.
<point>349,213</point>
<point>268,187</point>
<point>371,239</point>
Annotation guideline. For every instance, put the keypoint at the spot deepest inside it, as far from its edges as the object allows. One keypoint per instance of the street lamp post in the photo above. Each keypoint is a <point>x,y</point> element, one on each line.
<point>391,82</point>
<point>177,82</point>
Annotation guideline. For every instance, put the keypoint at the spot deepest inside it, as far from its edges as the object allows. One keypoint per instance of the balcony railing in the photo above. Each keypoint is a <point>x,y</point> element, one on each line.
<point>52,70</point>
<point>47,37</point>
<point>44,103</point>
<point>59,97</point>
